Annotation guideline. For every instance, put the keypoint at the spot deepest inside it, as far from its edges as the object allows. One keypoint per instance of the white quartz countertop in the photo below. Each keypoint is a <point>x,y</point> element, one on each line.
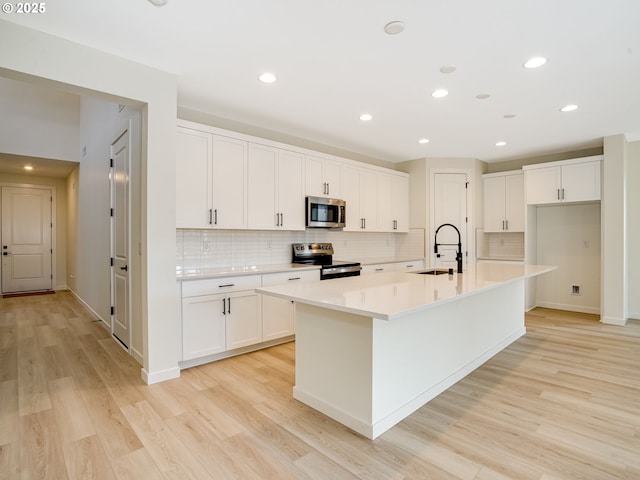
<point>200,274</point>
<point>391,295</point>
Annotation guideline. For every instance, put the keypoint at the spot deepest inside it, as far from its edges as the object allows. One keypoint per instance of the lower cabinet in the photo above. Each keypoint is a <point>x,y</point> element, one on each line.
<point>225,314</point>
<point>278,313</point>
<point>392,267</point>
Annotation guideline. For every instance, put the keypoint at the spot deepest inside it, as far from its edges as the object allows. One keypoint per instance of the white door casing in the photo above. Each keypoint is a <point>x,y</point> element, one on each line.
<point>449,206</point>
<point>26,239</point>
<point>120,251</point>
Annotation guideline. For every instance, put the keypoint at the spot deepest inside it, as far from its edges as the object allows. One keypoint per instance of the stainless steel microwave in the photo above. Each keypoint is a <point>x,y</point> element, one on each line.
<point>325,212</point>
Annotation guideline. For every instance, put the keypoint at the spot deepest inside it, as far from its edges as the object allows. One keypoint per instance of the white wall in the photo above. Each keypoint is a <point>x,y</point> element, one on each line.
<point>38,58</point>
<point>38,121</point>
<point>569,236</point>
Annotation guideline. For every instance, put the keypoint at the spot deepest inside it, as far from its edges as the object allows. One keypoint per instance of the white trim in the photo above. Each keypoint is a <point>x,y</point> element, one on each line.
<point>156,377</point>
<point>634,315</point>
<point>570,308</point>
<point>571,161</point>
<point>613,321</point>
<point>91,310</point>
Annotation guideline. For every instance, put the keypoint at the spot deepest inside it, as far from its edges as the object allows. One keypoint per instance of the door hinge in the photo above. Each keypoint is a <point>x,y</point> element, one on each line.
<point>466,219</point>
<point>466,184</point>
<point>112,310</point>
<point>112,261</point>
<point>111,212</point>
<point>111,162</point>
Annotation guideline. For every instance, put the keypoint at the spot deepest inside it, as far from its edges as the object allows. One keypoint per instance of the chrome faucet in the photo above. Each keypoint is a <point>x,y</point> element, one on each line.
<point>458,253</point>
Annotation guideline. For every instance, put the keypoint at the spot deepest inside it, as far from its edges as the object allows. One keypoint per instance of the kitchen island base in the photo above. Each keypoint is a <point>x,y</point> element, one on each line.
<point>369,374</point>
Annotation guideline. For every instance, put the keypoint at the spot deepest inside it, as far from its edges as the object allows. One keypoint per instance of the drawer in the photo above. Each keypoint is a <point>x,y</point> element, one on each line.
<point>211,286</point>
<point>408,266</point>
<point>271,279</point>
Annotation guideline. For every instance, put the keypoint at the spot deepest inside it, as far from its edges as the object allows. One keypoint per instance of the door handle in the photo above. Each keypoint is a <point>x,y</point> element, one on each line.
<point>125,268</point>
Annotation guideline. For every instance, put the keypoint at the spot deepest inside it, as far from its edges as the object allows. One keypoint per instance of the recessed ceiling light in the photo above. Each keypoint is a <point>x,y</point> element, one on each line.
<point>28,167</point>
<point>158,3</point>
<point>267,77</point>
<point>534,62</point>
<point>500,144</point>
<point>482,96</point>
<point>393,28</point>
<point>510,115</point>
<point>441,92</point>
<point>365,117</point>
<point>447,69</point>
<point>423,140</point>
<point>569,108</point>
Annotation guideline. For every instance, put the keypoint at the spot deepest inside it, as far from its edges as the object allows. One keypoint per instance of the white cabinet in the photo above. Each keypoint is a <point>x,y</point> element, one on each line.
<point>194,150</point>
<point>393,203</point>
<point>361,198</point>
<point>504,202</point>
<point>377,268</point>
<point>203,326</point>
<point>277,313</point>
<point>219,315</point>
<point>275,193</point>
<point>409,266</point>
<point>322,177</point>
<point>567,181</point>
<point>210,180</point>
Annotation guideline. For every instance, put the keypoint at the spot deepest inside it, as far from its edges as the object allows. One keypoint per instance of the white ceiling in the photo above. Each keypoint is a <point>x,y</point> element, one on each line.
<point>334,62</point>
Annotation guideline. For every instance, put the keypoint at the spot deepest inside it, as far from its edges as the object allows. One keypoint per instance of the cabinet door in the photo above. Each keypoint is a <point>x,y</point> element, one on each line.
<point>351,176</point>
<point>386,218</point>
<point>494,204</point>
<point>581,182</point>
<point>543,185</point>
<point>290,193</point>
<point>514,203</point>
<point>229,183</point>
<point>277,318</point>
<point>369,199</point>
<point>400,203</point>
<point>315,184</point>
<point>193,178</point>
<point>261,187</point>
<point>244,319</point>
<point>332,177</point>
<point>203,326</point>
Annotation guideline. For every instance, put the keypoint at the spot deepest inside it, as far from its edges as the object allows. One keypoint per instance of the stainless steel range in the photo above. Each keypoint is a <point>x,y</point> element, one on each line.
<point>322,254</point>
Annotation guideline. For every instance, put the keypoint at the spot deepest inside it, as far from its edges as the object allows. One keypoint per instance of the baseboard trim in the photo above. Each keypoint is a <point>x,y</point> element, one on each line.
<point>569,308</point>
<point>156,377</point>
<point>613,321</point>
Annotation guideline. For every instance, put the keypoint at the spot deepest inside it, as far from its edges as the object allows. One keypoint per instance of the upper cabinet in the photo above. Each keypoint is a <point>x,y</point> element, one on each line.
<point>210,180</point>
<point>322,177</point>
<point>275,195</point>
<point>229,180</point>
<point>576,180</point>
<point>504,202</point>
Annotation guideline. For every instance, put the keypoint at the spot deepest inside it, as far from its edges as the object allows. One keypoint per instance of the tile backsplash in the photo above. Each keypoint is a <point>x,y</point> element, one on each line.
<point>206,249</point>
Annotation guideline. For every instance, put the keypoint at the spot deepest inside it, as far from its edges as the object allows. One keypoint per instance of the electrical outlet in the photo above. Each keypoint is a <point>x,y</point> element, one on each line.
<point>575,289</point>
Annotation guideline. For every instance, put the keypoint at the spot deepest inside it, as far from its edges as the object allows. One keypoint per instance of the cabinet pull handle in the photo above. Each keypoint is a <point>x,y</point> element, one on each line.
<point>506,222</point>
<point>563,194</point>
<point>224,306</point>
<point>227,285</point>
<point>277,219</point>
<point>229,306</point>
<point>215,216</point>
<point>502,224</point>
<point>558,194</point>
<point>327,188</point>
<point>409,266</point>
<point>282,219</point>
<point>294,278</point>
<point>379,269</point>
<point>210,216</point>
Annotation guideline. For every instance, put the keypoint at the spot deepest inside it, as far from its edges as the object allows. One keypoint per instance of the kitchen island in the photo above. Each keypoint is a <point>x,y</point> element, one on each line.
<point>370,350</point>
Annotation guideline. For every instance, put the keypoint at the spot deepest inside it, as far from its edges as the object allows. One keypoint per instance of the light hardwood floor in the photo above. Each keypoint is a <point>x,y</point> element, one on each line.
<point>563,402</point>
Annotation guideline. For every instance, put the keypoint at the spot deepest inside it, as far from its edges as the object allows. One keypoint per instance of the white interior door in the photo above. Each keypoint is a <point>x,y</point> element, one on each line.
<point>120,284</point>
<point>450,206</point>
<point>26,239</point>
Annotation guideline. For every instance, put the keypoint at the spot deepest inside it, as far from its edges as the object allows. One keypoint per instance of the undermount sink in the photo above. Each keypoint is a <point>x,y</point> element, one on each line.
<point>432,271</point>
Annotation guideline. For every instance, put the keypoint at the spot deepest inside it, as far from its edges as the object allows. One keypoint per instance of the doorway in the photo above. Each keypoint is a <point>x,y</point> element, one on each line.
<point>120,243</point>
<point>449,205</point>
<point>27,238</point>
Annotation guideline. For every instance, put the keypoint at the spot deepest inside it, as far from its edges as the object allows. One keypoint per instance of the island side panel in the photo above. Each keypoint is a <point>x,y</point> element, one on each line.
<point>419,356</point>
<point>333,364</point>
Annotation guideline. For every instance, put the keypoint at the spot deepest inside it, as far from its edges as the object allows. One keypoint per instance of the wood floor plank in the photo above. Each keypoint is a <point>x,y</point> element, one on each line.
<point>41,454</point>
<point>86,460</point>
<point>10,415</point>
<point>135,466</point>
<point>10,461</point>
<point>70,410</point>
